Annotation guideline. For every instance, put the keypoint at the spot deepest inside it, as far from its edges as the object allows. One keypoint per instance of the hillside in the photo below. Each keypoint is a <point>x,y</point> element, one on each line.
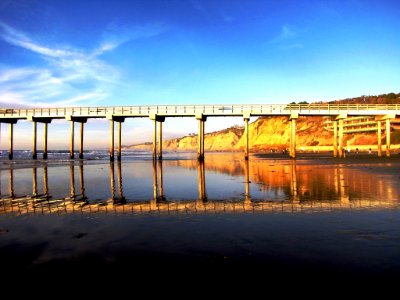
<point>269,133</point>
<point>272,133</point>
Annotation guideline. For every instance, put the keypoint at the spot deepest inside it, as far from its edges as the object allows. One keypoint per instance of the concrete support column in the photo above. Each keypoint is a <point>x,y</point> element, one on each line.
<point>341,153</point>
<point>11,143</point>
<point>335,138</point>
<point>292,150</point>
<point>159,140</point>
<point>45,121</point>
<point>45,141</point>
<point>119,140</point>
<point>246,138</point>
<point>387,137</point>
<point>157,137</point>
<point>81,140</point>
<point>200,137</point>
<point>71,141</point>
<point>34,141</point>
<point>379,119</point>
<point>111,140</point>
<point>379,138</point>
<point>154,139</point>
<point>113,119</point>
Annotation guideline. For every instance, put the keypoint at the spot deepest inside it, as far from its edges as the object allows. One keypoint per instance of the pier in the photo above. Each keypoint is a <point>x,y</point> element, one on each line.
<point>338,114</point>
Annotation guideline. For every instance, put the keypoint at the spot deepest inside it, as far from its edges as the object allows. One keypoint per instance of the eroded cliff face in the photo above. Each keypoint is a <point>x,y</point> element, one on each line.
<point>269,133</point>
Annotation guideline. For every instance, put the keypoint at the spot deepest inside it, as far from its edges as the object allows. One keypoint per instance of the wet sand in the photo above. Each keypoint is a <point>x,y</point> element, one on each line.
<point>309,247</point>
<point>354,246</point>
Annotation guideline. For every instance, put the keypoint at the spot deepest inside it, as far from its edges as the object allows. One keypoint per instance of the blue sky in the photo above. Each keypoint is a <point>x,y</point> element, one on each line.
<point>81,53</point>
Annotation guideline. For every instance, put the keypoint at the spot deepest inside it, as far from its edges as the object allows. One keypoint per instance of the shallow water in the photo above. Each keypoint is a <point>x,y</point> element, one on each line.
<point>322,214</point>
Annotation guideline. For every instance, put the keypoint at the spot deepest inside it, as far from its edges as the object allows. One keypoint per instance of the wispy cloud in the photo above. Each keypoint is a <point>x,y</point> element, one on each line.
<point>68,75</point>
<point>287,39</point>
<point>116,35</point>
<point>285,34</point>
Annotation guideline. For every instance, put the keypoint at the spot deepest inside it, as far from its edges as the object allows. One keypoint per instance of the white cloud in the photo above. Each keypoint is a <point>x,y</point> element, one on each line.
<point>116,35</point>
<point>18,38</point>
<point>68,75</point>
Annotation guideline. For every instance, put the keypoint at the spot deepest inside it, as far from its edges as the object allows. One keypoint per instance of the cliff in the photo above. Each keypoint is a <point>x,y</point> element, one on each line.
<point>270,133</point>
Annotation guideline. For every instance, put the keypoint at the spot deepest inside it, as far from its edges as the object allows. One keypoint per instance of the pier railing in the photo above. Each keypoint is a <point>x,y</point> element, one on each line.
<point>192,110</point>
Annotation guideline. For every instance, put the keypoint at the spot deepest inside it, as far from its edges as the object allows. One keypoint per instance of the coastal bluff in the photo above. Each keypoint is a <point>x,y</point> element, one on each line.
<point>270,133</point>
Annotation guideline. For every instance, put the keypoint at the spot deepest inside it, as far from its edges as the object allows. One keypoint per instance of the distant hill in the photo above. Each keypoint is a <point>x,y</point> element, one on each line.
<point>390,98</point>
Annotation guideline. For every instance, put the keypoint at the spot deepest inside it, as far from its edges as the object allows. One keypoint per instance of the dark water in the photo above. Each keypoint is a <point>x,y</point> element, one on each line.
<point>312,216</point>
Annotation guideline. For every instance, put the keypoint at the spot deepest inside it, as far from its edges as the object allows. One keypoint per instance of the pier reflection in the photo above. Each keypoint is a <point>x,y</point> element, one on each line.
<point>158,182</point>
<point>116,198</point>
<point>287,187</point>
<point>74,196</point>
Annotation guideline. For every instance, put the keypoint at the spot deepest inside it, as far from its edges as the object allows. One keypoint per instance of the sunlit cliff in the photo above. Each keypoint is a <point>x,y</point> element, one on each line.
<point>271,133</point>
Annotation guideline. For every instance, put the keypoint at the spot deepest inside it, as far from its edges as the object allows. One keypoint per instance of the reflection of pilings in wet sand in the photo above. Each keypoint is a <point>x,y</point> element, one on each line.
<point>72,180</point>
<point>81,181</point>
<point>120,199</point>
<point>119,175</point>
<point>11,182</point>
<point>45,183</point>
<point>293,183</point>
<point>35,194</point>
<point>26,205</point>
<point>158,183</point>
<point>247,197</point>
<point>201,181</point>
<point>34,182</point>
<point>344,195</point>
<point>73,194</point>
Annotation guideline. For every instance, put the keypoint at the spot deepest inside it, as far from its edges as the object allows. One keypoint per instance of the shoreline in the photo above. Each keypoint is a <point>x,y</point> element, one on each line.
<point>302,157</point>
